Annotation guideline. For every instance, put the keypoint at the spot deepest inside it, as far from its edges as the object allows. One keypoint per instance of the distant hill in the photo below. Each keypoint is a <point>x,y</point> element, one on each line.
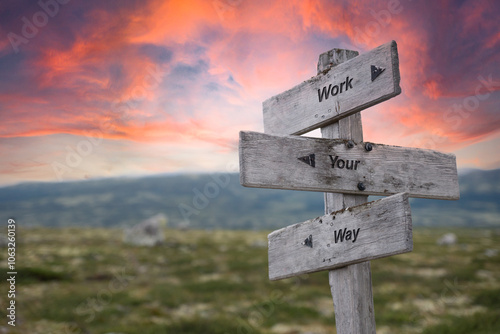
<point>479,203</point>
<point>218,201</point>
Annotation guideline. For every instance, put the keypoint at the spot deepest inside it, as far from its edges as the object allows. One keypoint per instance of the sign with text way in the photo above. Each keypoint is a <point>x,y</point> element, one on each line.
<point>336,93</point>
<point>361,233</point>
<point>333,165</point>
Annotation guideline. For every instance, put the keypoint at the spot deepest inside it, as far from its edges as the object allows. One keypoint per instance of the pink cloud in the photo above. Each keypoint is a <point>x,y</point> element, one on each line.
<point>215,65</point>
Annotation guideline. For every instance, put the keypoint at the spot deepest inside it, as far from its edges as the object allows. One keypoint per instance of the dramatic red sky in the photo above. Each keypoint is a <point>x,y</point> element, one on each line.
<point>126,87</point>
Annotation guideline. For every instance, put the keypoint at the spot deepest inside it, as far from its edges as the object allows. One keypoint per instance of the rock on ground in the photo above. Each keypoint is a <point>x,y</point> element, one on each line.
<point>148,233</point>
<point>447,239</point>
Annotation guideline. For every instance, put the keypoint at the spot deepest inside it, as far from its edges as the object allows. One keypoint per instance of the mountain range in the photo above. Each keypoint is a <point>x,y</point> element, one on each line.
<point>218,201</point>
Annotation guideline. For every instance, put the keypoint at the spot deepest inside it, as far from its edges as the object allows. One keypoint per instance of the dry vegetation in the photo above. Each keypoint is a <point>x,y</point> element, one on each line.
<point>82,280</point>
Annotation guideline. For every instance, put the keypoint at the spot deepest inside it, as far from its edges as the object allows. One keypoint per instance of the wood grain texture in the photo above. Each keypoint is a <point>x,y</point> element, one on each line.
<point>332,58</point>
<point>353,299</point>
<point>350,286</point>
<point>300,110</point>
<point>378,229</point>
<point>268,161</point>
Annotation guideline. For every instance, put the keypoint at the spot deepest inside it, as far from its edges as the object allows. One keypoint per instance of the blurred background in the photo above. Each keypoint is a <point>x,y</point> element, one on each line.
<point>119,163</point>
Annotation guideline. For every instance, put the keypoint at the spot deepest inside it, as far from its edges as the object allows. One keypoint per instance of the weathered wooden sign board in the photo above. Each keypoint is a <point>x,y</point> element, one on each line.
<point>341,91</point>
<point>361,233</point>
<point>335,165</point>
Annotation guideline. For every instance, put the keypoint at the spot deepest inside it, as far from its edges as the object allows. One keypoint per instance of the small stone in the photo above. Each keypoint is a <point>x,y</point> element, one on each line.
<point>148,233</point>
<point>491,252</point>
<point>447,240</point>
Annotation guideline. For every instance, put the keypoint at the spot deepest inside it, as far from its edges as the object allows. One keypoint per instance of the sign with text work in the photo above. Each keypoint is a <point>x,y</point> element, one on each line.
<point>335,165</point>
<point>349,87</point>
<point>361,233</point>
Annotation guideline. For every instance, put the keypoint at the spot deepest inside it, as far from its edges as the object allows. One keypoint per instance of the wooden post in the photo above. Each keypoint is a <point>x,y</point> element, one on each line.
<point>351,286</point>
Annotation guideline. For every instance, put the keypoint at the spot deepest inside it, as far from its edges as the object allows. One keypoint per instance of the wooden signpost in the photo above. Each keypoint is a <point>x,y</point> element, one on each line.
<point>334,165</point>
<point>351,232</point>
<point>335,93</point>
<point>361,233</point>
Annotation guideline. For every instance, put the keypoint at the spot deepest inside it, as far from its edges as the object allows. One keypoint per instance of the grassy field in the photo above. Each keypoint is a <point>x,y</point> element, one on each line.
<point>77,280</point>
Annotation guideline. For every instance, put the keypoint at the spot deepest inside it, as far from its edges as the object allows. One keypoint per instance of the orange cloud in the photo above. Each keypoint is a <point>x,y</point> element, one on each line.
<point>197,71</point>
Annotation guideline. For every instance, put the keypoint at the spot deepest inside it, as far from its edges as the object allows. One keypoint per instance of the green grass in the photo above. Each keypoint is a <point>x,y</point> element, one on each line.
<point>488,298</point>
<point>481,323</point>
<point>87,281</point>
<point>38,274</point>
<point>219,325</point>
